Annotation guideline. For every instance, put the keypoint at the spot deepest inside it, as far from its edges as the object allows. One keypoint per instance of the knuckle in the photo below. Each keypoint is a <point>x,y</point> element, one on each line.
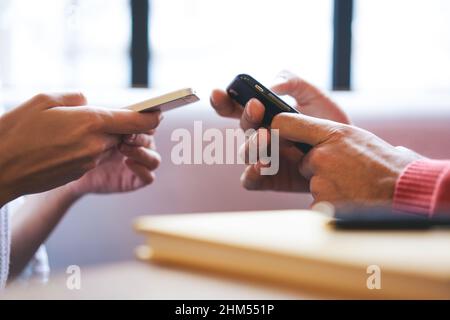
<point>92,121</point>
<point>156,158</point>
<point>150,179</point>
<point>317,156</point>
<point>276,122</point>
<point>95,148</point>
<point>341,131</point>
<point>42,98</point>
<point>152,143</point>
<point>157,162</point>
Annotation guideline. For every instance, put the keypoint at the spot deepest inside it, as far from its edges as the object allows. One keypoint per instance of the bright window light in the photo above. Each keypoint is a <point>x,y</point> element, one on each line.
<point>70,43</point>
<point>402,44</point>
<point>207,42</point>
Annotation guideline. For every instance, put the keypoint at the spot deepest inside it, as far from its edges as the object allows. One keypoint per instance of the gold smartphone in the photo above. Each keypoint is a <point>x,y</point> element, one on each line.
<point>166,102</point>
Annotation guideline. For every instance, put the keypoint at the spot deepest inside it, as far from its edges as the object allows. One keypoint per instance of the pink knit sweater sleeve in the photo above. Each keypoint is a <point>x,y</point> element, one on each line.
<point>424,188</point>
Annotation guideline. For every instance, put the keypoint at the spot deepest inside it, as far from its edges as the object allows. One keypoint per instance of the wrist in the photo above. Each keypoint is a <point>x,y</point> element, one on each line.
<point>63,197</point>
<point>71,192</point>
<point>388,180</point>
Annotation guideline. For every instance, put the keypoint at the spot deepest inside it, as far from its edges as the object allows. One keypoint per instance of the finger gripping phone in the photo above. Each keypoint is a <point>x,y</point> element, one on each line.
<point>245,88</point>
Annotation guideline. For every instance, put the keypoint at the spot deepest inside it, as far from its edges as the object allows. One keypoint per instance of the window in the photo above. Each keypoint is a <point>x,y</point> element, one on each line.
<point>206,43</point>
<point>402,44</point>
<point>64,43</point>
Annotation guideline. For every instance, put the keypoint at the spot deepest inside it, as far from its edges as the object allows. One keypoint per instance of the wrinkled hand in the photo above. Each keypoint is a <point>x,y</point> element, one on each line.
<point>347,165</point>
<point>309,101</point>
<point>126,168</point>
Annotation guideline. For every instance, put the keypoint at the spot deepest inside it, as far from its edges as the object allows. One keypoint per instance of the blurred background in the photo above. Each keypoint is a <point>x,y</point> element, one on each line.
<point>386,62</point>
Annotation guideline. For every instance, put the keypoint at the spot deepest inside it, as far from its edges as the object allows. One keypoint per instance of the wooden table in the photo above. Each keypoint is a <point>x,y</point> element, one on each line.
<point>140,281</point>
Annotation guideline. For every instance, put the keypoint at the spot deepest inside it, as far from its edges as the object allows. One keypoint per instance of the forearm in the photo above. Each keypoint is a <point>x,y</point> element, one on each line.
<point>34,222</point>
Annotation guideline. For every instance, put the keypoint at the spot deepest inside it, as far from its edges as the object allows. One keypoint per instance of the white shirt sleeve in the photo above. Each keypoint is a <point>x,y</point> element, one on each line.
<point>38,270</point>
<point>5,243</point>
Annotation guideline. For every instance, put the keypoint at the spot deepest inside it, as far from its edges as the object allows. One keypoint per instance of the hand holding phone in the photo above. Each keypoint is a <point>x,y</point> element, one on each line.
<point>245,88</point>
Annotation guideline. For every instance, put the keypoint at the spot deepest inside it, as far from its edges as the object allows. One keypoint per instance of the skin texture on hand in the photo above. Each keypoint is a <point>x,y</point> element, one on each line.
<point>309,100</point>
<point>127,168</point>
<point>52,140</point>
<point>347,165</point>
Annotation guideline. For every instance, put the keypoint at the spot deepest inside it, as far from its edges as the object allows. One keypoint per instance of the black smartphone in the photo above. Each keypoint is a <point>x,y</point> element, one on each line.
<point>244,88</point>
<point>384,218</point>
